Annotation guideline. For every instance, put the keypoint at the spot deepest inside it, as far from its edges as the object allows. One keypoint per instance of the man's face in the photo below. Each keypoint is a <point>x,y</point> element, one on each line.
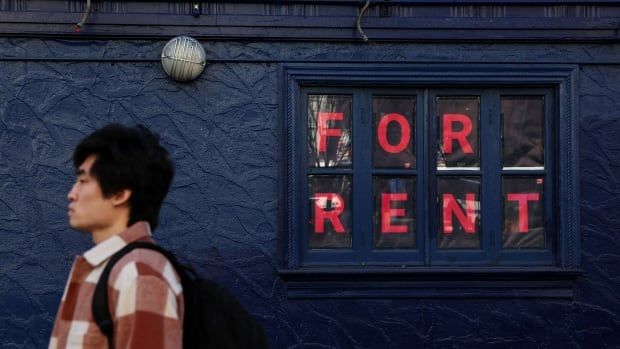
<point>89,210</point>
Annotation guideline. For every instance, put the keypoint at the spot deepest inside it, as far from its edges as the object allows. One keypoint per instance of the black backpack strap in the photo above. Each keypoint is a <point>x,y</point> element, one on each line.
<point>100,306</point>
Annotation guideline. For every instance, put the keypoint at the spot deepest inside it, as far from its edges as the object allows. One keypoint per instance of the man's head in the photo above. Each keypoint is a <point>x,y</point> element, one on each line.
<point>122,173</point>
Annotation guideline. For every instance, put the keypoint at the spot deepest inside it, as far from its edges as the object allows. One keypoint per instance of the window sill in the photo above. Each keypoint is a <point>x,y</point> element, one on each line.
<point>473,283</point>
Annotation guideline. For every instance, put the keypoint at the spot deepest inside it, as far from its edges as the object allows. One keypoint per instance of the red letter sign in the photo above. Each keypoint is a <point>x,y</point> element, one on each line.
<point>460,136</point>
<point>323,131</point>
<point>523,198</point>
<point>387,213</point>
<point>451,206</point>
<point>321,214</point>
<point>405,133</point>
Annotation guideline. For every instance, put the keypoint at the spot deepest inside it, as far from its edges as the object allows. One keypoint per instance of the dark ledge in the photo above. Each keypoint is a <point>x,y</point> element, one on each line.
<point>319,20</point>
<point>548,283</point>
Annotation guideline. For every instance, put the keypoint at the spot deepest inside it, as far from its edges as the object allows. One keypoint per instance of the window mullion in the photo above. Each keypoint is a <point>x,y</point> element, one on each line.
<point>424,116</point>
<point>431,178</point>
<point>491,178</point>
<point>362,176</point>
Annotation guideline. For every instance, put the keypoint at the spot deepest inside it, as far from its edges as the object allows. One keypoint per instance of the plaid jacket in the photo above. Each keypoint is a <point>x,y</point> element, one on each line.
<point>145,296</point>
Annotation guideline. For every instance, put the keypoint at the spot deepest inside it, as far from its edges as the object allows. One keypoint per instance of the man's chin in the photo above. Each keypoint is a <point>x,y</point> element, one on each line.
<point>78,227</point>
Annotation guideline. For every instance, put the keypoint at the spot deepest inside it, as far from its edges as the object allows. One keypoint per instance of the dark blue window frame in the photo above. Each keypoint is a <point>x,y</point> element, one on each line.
<point>315,274</point>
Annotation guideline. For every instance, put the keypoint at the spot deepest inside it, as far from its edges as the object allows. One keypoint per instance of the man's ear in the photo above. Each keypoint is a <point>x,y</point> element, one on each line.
<point>121,198</point>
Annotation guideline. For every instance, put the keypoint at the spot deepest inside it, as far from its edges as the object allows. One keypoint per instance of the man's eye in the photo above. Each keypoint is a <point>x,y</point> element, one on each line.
<point>81,180</point>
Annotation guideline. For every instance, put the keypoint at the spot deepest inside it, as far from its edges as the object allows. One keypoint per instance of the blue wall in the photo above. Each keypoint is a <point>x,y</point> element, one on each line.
<point>223,131</point>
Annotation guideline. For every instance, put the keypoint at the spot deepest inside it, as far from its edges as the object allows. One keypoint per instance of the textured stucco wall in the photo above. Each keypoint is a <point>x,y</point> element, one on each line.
<point>223,131</point>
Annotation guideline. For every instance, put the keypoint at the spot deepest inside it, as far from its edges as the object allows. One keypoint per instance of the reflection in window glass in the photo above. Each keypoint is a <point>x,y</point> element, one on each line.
<point>458,131</point>
<point>459,212</point>
<point>394,130</point>
<point>523,212</point>
<point>329,211</point>
<point>523,128</point>
<point>394,199</point>
<point>329,131</point>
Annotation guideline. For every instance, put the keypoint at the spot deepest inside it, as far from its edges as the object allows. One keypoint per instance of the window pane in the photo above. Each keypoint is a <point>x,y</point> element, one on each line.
<point>330,211</point>
<point>459,212</point>
<point>523,212</point>
<point>329,131</point>
<point>523,128</point>
<point>394,212</point>
<point>458,131</point>
<point>394,131</point>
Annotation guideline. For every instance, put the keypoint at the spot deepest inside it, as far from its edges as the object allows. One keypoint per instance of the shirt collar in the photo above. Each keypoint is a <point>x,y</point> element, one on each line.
<point>105,249</point>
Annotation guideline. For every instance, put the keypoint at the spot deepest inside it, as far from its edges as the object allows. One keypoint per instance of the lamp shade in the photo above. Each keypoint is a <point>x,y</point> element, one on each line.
<point>183,58</point>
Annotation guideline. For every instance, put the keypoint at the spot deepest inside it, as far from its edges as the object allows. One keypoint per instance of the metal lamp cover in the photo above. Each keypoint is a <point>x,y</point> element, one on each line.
<point>183,58</point>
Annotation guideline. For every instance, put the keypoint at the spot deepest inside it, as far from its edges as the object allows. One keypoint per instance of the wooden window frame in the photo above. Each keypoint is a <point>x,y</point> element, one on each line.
<point>328,274</point>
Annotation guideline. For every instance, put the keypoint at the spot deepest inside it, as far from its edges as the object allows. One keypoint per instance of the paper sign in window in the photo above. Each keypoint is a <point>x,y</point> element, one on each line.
<point>459,212</point>
<point>329,131</point>
<point>394,212</point>
<point>394,132</point>
<point>329,211</point>
<point>523,221</point>
<point>458,131</point>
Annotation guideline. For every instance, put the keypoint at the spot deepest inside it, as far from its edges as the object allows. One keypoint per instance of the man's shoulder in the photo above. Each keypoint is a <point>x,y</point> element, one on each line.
<point>142,263</point>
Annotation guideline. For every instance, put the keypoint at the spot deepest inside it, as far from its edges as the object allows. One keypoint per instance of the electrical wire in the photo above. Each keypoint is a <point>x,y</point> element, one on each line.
<point>359,21</point>
<point>81,23</point>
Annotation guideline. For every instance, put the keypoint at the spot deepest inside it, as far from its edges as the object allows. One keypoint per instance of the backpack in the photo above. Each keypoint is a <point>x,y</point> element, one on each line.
<point>213,318</point>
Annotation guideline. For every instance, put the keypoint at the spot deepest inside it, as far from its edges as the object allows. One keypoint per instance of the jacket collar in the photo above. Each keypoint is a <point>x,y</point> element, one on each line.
<point>107,248</point>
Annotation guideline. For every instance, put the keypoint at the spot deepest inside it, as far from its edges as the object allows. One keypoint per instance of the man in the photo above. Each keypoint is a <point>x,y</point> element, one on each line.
<point>123,175</point>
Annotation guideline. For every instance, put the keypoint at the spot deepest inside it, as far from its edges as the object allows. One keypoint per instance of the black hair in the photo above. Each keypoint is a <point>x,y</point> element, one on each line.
<point>129,158</point>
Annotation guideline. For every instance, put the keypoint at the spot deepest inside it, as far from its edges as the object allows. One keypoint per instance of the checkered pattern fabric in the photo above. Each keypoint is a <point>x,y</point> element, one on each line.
<point>145,297</point>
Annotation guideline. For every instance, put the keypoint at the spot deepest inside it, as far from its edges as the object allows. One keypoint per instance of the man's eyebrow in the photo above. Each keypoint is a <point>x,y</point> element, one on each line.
<point>79,172</point>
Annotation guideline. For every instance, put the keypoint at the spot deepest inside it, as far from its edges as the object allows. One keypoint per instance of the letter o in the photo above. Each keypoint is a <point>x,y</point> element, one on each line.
<point>405,133</point>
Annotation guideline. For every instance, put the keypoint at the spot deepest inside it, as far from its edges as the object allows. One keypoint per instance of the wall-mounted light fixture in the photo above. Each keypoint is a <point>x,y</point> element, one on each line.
<point>183,58</point>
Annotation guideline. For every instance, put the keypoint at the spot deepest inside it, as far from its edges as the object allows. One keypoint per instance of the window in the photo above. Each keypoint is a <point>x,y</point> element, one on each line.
<point>453,192</point>
<point>466,169</point>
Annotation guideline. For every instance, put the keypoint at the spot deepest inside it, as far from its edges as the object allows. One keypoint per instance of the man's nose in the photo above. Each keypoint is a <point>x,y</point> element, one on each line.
<point>71,195</point>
